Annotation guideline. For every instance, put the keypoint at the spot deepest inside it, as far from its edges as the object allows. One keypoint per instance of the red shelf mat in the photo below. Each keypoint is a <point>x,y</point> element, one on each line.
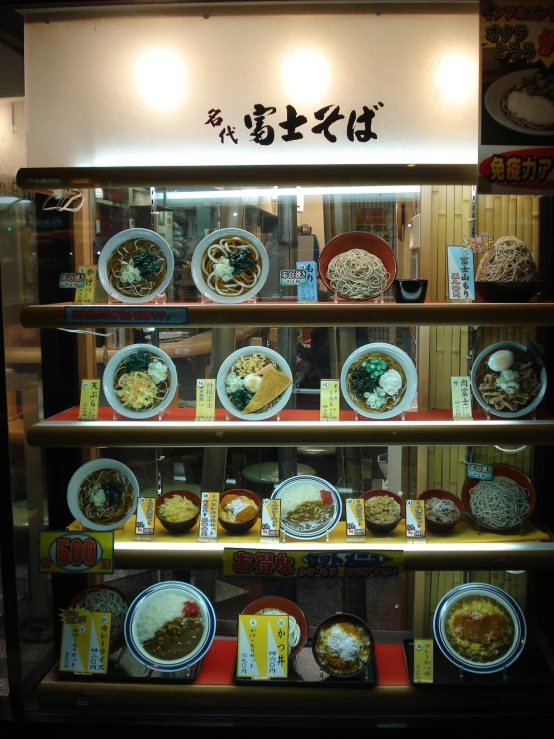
<point>217,665</point>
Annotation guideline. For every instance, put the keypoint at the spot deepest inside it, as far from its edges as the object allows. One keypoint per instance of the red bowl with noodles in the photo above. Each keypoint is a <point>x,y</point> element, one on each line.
<point>365,275</point>
<point>503,505</point>
<point>442,516</point>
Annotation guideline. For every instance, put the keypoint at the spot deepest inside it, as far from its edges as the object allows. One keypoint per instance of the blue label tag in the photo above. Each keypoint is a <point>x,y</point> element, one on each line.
<point>480,471</point>
<point>72,279</point>
<point>461,281</point>
<point>126,315</point>
<point>308,292</point>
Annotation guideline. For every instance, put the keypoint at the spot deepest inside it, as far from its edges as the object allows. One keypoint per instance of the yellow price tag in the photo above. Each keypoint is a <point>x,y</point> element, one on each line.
<point>355,517</point>
<point>423,660</point>
<point>329,400</point>
<point>271,518</point>
<point>74,552</point>
<point>85,641</point>
<point>86,294</point>
<point>263,646</point>
<point>146,519</point>
<point>205,400</point>
<point>88,405</point>
<point>415,519</point>
<point>461,398</point>
<point>208,516</point>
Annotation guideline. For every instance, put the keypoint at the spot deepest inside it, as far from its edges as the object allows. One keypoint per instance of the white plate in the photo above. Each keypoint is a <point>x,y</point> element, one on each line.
<point>405,362</point>
<point>77,479</point>
<point>493,103</point>
<point>114,242</point>
<point>512,345</point>
<point>490,591</point>
<point>286,487</point>
<point>207,241</point>
<point>226,368</point>
<point>141,604</point>
<point>111,395</point>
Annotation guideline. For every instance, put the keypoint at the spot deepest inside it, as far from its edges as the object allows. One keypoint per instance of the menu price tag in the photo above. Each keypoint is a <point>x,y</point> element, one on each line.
<point>461,280</point>
<point>76,551</point>
<point>355,517</point>
<point>293,277</point>
<point>205,400</point>
<point>88,405</point>
<point>146,520</point>
<point>415,519</point>
<point>208,517</point>
<point>86,294</point>
<point>461,398</point>
<point>85,641</point>
<point>308,293</point>
<point>263,646</point>
<point>72,279</point>
<point>329,400</point>
<point>271,519</point>
<point>423,660</point>
<point>480,471</point>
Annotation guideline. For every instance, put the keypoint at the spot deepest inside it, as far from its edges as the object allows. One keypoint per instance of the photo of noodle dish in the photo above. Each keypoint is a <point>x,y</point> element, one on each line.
<point>135,265</point>
<point>508,380</point>
<point>342,645</point>
<point>102,494</point>
<point>523,101</point>
<point>229,265</point>
<point>500,504</point>
<point>254,383</point>
<point>379,380</point>
<point>170,626</point>
<point>479,628</point>
<point>357,265</point>
<point>139,381</point>
<point>105,599</point>
<point>310,506</point>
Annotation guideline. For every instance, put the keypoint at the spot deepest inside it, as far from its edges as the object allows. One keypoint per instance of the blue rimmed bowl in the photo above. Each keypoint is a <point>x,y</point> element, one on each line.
<point>302,489</point>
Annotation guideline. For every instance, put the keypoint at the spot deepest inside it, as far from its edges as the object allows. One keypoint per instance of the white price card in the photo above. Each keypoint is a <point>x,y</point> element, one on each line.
<point>461,398</point>
<point>271,519</point>
<point>355,517</point>
<point>262,651</point>
<point>329,400</point>
<point>415,519</point>
<point>146,519</point>
<point>208,516</point>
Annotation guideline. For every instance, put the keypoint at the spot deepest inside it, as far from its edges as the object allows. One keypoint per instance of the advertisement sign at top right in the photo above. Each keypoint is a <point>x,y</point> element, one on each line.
<point>516,123</point>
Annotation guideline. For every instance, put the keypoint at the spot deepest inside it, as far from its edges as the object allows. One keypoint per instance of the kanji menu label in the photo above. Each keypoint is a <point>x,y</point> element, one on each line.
<point>423,660</point>
<point>263,646</point>
<point>85,641</point>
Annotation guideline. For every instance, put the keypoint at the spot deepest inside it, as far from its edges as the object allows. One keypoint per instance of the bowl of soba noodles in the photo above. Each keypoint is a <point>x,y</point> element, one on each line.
<point>230,266</point>
<point>357,265</point>
<point>379,380</point>
<point>135,265</point>
<point>102,494</point>
<point>508,379</point>
<point>105,599</point>
<point>274,605</point>
<point>139,381</point>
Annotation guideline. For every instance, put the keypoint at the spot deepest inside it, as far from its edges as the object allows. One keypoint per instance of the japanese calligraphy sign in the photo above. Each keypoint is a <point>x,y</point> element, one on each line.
<point>73,552</point>
<point>307,293</point>
<point>480,471</point>
<point>126,315</point>
<point>329,400</point>
<point>461,280</point>
<point>86,293</point>
<point>271,519</point>
<point>355,518</point>
<point>85,641</point>
<point>292,277</point>
<point>208,517</point>
<point>423,660</point>
<point>516,154</point>
<point>262,648</point>
<point>205,400</point>
<point>308,565</point>
<point>72,279</point>
<point>88,406</point>
<point>145,523</point>
<point>415,519</point>
<point>461,398</point>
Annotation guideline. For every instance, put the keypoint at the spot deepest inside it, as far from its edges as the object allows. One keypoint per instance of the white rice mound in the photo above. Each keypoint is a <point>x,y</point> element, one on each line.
<point>533,108</point>
<point>156,610</point>
<point>298,493</point>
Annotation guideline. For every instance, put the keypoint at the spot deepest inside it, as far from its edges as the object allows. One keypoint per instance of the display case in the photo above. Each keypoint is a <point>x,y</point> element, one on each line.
<point>422,448</point>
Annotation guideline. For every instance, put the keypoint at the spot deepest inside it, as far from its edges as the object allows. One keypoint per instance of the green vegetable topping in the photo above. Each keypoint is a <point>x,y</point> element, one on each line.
<point>241,260</point>
<point>146,263</point>
<point>241,398</point>
<point>137,362</point>
<point>362,381</point>
<point>114,491</point>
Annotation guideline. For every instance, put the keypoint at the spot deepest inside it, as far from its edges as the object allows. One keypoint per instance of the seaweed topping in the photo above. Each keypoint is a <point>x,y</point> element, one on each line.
<point>240,260</point>
<point>137,362</point>
<point>146,263</point>
<point>241,398</point>
<point>114,491</point>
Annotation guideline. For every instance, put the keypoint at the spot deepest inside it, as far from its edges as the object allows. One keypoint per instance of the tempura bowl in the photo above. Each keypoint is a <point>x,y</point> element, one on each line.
<point>240,527</point>
<point>178,527</point>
